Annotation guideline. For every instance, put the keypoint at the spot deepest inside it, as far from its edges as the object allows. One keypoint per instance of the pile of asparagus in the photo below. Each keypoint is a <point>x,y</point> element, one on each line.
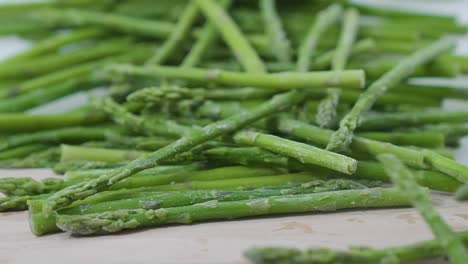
<point>225,109</point>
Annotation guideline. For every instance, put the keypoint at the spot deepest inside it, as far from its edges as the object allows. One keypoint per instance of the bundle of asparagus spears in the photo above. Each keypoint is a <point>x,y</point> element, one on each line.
<point>219,110</point>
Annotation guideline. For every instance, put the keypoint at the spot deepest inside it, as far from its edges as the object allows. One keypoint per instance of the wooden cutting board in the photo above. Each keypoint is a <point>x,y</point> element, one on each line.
<point>221,242</point>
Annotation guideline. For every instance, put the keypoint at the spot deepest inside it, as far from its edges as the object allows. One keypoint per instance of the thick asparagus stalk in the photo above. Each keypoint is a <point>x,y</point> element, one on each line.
<point>360,255</point>
<point>343,136</point>
<point>41,225</point>
<point>302,152</point>
<point>137,218</point>
<point>405,181</point>
<point>18,203</point>
<point>281,46</point>
<point>232,35</point>
<point>198,137</point>
<point>281,81</point>
<point>325,19</point>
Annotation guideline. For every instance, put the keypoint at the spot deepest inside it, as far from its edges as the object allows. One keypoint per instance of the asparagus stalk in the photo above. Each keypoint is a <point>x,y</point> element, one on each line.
<point>21,152</point>
<point>281,81</point>
<point>53,43</point>
<point>281,46</point>
<point>323,61</point>
<point>232,35</point>
<point>42,159</point>
<point>205,40</point>
<point>348,35</point>
<point>120,23</point>
<point>137,218</point>
<point>73,153</point>
<point>140,143</point>
<point>60,135</point>
<point>343,136</point>
<point>390,120</point>
<point>307,49</point>
<point>404,180</point>
<point>80,191</point>
<point>28,186</point>
<point>425,139</point>
<point>327,109</point>
<point>360,255</point>
<point>421,159</point>
<point>302,152</point>
<point>41,225</point>
<point>179,33</point>
<point>18,203</point>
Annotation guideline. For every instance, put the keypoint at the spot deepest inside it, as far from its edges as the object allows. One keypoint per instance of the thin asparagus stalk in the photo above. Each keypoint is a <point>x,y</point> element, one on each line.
<point>21,152</point>
<point>327,109</point>
<point>73,153</point>
<point>323,61</point>
<point>80,191</point>
<point>28,186</point>
<point>302,152</point>
<point>391,120</point>
<point>42,159</point>
<point>47,64</point>
<point>281,46</point>
<point>60,135</point>
<point>232,35</point>
<point>137,218</point>
<point>325,19</point>
<point>53,43</point>
<point>178,34</point>
<point>462,193</point>
<point>120,23</point>
<point>205,40</point>
<point>425,139</point>
<point>404,180</point>
<point>282,81</point>
<point>140,143</point>
<point>19,122</point>
<point>41,225</point>
<point>421,159</point>
<point>343,136</point>
<point>360,255</point>
<point>348,35</point>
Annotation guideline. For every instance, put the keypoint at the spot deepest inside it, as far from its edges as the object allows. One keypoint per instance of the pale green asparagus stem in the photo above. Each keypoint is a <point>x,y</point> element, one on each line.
<point>406,182</point>
<point>343,136</point>
<point>326,112</point>
<point>348,35</point>
<point>325,19</point>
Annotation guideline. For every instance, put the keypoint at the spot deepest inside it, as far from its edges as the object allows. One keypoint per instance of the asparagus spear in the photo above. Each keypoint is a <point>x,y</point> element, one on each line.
<point>359,255</point>
<point>281,81</point>
<point>28,186</point>
<point>72,153</point>
<point>404,180</point>
<point>23,151</point>
<point>324,60</point>
<point>348,35</point>
<point>41,225</point>
<point>232,35</point>
<point>120,23</point>
<point>302,152</point>
<point>80,191</point>
<point>60,135</point>
<point>326,112</point>
<point>307,49</point>
<point>205,40</point>
<point>343,136</point>
<point>281,46</point>
<point>135,218</point>
<point>179,33</point>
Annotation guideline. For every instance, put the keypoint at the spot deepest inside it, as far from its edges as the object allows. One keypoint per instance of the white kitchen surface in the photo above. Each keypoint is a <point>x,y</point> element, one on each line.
<point>224,242</point>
